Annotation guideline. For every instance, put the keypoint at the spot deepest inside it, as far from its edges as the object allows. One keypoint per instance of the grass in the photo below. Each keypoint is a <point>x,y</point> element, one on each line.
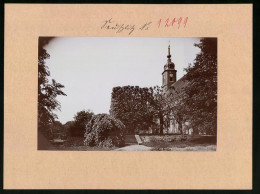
<point>198,143</point>
<point>196,148</point>
<point>77,144</point>
<point>82,148</point>
<point>157,142</point>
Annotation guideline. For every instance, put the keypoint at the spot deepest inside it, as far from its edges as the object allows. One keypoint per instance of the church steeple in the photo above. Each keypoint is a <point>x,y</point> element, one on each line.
<point>169,55</point>
<point>169,73</point>
<point>169,51</point>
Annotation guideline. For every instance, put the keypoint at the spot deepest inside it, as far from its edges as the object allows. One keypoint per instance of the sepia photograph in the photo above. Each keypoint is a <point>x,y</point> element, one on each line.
<point>128,96</point>
<point>127,93</point>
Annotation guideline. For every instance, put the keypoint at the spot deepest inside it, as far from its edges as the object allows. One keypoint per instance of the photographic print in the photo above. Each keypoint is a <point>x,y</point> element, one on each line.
<point>126,96</point>
<point>127,93</point>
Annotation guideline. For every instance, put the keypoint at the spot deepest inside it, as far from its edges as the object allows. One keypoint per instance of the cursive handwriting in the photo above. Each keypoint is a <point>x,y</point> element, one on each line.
<point>118,28</point>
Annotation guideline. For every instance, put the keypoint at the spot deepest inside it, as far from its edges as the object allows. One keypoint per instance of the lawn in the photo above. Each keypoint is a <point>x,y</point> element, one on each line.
<point>77,144</point>
<point>168,143</point>
<point>155,142</point>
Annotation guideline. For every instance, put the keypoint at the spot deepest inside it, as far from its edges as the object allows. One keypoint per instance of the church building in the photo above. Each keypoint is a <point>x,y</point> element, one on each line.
<point>170,86</point>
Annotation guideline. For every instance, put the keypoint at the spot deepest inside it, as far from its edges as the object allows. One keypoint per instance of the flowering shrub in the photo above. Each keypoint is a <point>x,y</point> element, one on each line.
<point>104,130</point>
<point>108,143</point>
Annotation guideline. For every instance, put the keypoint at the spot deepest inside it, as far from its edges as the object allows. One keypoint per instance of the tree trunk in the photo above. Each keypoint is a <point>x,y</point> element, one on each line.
<point>180,127</point>
<point>161,124</point>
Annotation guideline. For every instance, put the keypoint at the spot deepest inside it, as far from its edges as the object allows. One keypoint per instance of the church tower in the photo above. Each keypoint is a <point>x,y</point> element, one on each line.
<point>169,73</point>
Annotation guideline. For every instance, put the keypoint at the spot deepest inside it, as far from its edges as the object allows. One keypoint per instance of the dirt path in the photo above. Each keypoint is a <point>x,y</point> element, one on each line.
<point>134,148</point>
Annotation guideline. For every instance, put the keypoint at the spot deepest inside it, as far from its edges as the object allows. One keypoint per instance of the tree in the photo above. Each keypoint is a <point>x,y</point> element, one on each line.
<point>103,128</point>
<point>47,91</point>
<point>131,105</point>
<point>169,106</point>
<point>80,121</point>
<point>202,88</point>
<point>57,130</point>
<point>69,127</point>
<point>178,109</point>
<point>160,107</point>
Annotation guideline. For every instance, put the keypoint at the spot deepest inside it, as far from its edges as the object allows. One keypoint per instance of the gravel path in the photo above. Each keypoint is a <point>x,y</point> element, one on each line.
<point>134,148</point>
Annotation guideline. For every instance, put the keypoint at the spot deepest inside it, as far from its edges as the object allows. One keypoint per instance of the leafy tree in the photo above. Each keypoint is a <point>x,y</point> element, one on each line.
<point>102,128</point>
<point>160,107</point>
<point>131,105</point>
<point>177,107</point>
<point>47,91</point>
<point>202,88</point>
<point>80,121</point>
<point>169,106</point>
<point>57,130</point>
<point>69,127</point>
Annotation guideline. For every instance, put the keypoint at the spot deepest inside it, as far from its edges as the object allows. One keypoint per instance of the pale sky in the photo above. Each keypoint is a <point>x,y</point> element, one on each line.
<point>89,67</point>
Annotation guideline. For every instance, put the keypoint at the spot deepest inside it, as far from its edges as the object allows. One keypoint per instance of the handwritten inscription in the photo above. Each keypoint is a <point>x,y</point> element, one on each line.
<point>118,28</point>
<point>178,22</point>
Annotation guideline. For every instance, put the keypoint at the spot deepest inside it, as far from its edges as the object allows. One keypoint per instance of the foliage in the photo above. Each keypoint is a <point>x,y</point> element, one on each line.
<point>132,105</point>
<point>57,130</point>
<point>107,143</point>
<point>202,88</point>
<point>69,127</point>
<point>167,106</point>
<point>102,129</point>
<point>47,91</point>
<point>160,107</point>
<point>80,121</point>
<point>57,126</point>
<point>177,106</point>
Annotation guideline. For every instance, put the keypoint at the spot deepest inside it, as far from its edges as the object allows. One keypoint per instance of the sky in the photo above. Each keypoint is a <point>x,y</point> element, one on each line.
<point>89,67</point>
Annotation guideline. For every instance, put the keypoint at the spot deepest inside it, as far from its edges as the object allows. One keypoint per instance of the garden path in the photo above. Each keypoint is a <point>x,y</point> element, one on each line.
<point>134,148</point>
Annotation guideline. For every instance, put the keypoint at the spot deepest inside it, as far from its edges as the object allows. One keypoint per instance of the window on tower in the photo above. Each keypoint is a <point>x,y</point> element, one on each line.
<point>171,77</point>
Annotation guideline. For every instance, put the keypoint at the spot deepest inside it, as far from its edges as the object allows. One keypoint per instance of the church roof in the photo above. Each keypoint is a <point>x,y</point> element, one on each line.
<point>178,85</point>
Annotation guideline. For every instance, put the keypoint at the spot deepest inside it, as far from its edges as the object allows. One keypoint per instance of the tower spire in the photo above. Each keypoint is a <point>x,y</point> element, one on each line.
<point>169,51</point>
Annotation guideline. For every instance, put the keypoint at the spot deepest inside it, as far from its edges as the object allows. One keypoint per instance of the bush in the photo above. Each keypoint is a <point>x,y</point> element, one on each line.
<point>108,143</point>
<point>80,121</point>
<point>104,130</point>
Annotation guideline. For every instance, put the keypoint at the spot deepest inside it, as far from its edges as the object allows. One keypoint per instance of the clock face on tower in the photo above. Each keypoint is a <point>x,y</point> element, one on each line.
<point>171,75</point>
